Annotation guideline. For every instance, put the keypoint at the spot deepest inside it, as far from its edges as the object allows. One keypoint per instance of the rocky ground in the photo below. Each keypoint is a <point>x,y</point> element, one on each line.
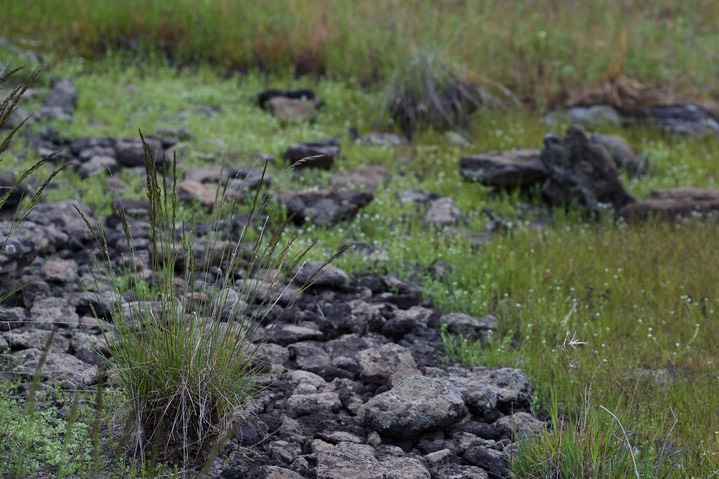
<point>357,385</point>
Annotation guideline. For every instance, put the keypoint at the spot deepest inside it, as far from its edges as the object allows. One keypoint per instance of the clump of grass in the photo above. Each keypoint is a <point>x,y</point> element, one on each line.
<point>592,446</point>
<point>428,90</point>
<point>184,354</point>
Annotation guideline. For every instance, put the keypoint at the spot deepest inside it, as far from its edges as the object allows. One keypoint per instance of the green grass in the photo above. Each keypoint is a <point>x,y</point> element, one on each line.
<point>642,296</point>
<point>541,50</point>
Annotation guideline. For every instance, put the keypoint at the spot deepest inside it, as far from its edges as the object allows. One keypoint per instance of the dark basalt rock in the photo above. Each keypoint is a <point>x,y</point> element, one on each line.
<point>581,172</point>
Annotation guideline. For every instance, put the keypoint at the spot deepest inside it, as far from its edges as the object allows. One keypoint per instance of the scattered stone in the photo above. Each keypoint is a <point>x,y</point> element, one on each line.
<point>518,426</point>
<point>358,461</point>
<point>386,140</point>
<point>323,207</point>
<point>367,178</point>
<point>17,194</point>
<point>60,270</point>
<point>443,212</point>
<point>506,169</point>
<point>317,274</point>
<point>674,203</point>
<point>470,327</point>
<point>290,105</point>
<point>131,153</point>
<point>313,154</point>
<point>682,119</point>
<point>588,116</point>
<point>61,101</point>
<point>581,172</point>
<point>389,361</point>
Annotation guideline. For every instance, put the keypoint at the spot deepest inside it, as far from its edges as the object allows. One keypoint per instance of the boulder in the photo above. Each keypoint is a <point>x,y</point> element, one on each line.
<point>622,153</point>
<point>581,172</point>
<point>63,95</point>
<point>505,169</point>
<point>443,212</point>
<point>415,405</point>
<point>674,203</point>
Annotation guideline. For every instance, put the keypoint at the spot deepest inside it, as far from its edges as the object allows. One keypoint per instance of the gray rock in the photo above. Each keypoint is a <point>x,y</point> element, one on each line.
<point>62,222</point>
<point>131,153</point>
<point>63,95</point>
<point>682,119</point>
<point>443,212</point>
<point>59,270</point>
<point>416,197</point>
<point>389,361</point>
<point>323,207</point>
<point>292,109</point>
<point>387,140</point>
<point>57,367</point>
<point>273,472</point>
<point>262,291</point>
<point>367,178</point>
<point>11,318</point>
<point>31,338</point>
<point>313,154</point>
<point>505,169</point>
<point>494,462</point>
<point>357,461</point>
<point>579,171</point>
<point>594,115</point>
<point>329,276</point>
<point>303,404</point>
<point>509,386</point>
<point>621,152</point>
<point>518,425</point>
<point>15,254</point>
<point>416,405</point>
<point>455,471</point>
<point>289,333</point>
<point>98,165</point>
<point>674,203</point>
<point>309,356</point>
<point>48,312</point>
<point>470,327</point>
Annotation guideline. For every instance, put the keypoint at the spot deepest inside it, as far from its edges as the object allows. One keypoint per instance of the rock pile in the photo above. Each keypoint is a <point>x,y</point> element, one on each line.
<point>356,384</point>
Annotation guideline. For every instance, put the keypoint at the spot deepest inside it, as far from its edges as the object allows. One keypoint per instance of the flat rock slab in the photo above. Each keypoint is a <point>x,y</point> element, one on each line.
<point>504,169</point>
<point>674,203</point>
<point>56,366</point>
<point>415,405</point>
<point>358,461</point>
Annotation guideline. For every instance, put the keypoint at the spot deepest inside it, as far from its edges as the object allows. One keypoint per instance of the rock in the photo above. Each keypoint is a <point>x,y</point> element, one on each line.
<point>455,471</point>
<point>418,198</point>
<point>387,140</point>
<point>190,191</point>
<point>470,327</point>
<point>303,94</point>
<point>271,472</point>
<point>581,172</point>
<point>59,270</point>
<point>456,138</point>
<point>443,212</point>
<point>63,223</point>
<point>415,405</point>
<point>289,333</point>
<point>292,109</point>
<point>389,361</point>
<point>323,207</point>
<point>506,169</point>
<point>329,276</point>
<point>48,312</point>
<point>248,178</point>
<point>16,254</point>
<point>622,154</point>
<point>97,165</point>
<point>63,95</point>
<point>357,461</point>
<point>494,462</point>
<point>18,192</point>
<point>131,153</point>
<point>674,203</point>
<point>365,177</point>
<point>313,154</point>
<point>31,338</point>
<point>588,116</point>
<point>682,119</point>
<point>518,426</point>
<point>11,318</point>
<point>484,387</point>
<point>56,367</point>
<point>303,404</point>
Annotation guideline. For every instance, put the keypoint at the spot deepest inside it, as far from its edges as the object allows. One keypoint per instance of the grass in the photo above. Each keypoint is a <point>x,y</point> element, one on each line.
<point>517,43</point>
<point>641,296</point>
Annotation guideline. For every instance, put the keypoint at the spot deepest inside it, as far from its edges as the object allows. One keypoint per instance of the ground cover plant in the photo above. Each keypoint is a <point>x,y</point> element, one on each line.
<point>614,322</point>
